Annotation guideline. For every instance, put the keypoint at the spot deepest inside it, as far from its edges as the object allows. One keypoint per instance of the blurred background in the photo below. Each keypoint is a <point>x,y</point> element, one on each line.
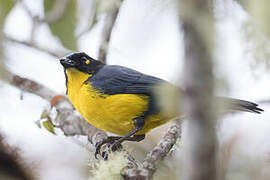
<point>147,37</point>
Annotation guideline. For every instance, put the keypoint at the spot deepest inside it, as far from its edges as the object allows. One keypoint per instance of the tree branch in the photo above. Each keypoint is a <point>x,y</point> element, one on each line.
<point>70,123</point>
<point>52,16</point>
<point>158,153</point>
<point>162,149</point>
<point>56,13</point>
<point>35,46</point>
<point>107,31</point>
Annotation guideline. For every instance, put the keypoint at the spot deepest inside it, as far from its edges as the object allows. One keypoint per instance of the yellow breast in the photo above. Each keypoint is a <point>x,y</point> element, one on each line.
<point>111,113</point>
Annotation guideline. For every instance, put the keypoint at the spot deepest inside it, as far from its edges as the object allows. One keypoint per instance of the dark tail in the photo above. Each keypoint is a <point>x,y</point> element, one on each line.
<point>241,105</point>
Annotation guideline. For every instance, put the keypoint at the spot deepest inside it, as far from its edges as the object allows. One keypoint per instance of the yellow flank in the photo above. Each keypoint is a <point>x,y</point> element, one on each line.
<point>111,113</point>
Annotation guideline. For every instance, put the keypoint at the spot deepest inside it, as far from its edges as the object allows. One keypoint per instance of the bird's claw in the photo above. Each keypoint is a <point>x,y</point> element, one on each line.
<point>98,146</point>
<point>113,147</point>
<point>105,154</point>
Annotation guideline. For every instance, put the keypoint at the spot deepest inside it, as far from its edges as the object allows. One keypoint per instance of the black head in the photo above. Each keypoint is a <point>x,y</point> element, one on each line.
<point>81,62</point>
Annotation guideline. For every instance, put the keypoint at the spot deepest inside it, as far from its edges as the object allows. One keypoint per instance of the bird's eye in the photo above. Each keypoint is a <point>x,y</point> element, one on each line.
<point>87,61</point>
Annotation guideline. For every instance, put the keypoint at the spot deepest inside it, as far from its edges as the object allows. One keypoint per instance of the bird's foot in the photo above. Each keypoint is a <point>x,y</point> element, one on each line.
<point>112,147</point>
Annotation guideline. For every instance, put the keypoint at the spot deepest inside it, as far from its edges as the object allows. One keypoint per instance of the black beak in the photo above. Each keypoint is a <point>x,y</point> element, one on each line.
<point>67,63</point>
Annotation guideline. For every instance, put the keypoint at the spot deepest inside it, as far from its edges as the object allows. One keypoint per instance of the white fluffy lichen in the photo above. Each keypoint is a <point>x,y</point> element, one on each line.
<point>109,169</point>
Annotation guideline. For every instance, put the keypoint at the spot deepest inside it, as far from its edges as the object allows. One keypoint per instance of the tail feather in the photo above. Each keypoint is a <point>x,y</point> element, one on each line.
<point>241,105</point>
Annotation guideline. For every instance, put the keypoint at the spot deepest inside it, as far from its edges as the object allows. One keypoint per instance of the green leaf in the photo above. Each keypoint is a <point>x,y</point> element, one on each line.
<point>44,114</point>
<point>64,27</point>
<point>49,126</point>
<point>5,7</point>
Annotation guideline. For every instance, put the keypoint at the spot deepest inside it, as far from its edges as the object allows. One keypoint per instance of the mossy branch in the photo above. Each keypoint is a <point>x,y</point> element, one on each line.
<point>149,165</point>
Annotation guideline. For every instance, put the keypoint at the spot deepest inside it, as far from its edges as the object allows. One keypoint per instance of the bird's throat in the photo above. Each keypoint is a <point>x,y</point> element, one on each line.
<point>74,82</point>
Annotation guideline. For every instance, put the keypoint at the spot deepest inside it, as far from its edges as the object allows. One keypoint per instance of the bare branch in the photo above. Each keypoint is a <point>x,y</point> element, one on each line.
<point>35,46</point>
<point>162,149</point>
<point>93,19</point>
<point>158,153</point>
<point>32,87</point>
<point>27,10</point>
<point>52,16</point>
<point>56,13</point>
<point>107,31</point>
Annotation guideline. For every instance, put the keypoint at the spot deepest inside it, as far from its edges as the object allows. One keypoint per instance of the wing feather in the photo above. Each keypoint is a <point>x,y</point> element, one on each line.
<point>121,80</point>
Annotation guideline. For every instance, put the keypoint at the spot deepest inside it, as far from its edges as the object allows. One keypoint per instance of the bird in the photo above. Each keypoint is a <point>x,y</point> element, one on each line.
<point>121,100</point>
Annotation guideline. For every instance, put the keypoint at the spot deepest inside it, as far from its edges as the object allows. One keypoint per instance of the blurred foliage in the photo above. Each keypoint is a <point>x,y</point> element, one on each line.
<point>12,166</point>
<point>103,6</point>
<point>64,27</point>
<point>257,30</point>
<point>5,7</point>
<point>258,45</point>
<point>259,11</point>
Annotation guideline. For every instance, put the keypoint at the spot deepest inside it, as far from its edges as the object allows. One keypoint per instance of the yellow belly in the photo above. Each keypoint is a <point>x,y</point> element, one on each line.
<point>114,113</point>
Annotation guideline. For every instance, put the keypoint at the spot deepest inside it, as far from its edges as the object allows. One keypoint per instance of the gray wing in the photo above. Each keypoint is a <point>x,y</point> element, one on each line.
<point>121,80</point>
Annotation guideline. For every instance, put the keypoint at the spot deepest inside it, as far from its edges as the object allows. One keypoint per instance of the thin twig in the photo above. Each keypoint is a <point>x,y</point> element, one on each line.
<point>56,13</point>
<point>52,16</point>
<point>35,46</point>
<point>93,20</point>
<point>107,31</point>
<point>26,8</point>
<point>32,87</point>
